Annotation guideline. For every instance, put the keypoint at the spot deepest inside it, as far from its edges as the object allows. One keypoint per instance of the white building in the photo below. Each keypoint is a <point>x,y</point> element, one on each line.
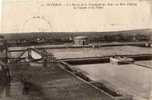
<point>81,40</point>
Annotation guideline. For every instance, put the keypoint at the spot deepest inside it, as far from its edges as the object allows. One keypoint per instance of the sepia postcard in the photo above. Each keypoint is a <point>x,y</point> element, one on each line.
<point>76,50</point>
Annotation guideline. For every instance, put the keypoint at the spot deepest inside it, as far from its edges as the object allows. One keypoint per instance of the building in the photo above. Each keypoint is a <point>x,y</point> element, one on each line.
<point>81,40</point>
<point>148,44</point>
<point>121,60</point>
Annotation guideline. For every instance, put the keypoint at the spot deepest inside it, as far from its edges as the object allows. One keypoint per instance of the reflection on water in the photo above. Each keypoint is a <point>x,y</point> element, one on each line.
<point>4,81</point>
<point>27,90</point>
<point>4,90</point>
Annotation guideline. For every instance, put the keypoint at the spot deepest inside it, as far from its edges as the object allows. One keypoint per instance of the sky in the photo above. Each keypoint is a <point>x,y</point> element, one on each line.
<point>35,16</point>
<point>0,13</point>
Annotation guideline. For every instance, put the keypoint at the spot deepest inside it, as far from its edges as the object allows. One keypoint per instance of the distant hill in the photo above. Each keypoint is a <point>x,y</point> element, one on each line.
<point>67,37</point>
<point>65,34</point>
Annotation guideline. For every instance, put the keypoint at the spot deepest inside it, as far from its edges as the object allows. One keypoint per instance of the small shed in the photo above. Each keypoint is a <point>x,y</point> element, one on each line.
<point>121,60</point>
<point>81,40</point>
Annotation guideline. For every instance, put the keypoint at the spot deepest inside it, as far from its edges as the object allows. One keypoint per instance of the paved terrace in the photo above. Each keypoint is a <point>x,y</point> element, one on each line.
<point>50,83</point>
